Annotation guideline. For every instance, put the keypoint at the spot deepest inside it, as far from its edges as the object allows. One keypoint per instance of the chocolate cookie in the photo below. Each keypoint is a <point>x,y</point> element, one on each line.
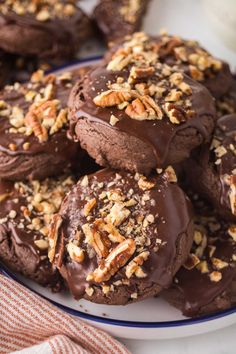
<point>227,103</point>
<point>137,114</point>
<point>118,19</point>
<point>5,69</point>
<point>212,170</point>
<point>120,237</point>
<point>46,29</point>
<point>33,128</point>
<point>207,281</point>
<point>26,210</point>
<point>189,57</point>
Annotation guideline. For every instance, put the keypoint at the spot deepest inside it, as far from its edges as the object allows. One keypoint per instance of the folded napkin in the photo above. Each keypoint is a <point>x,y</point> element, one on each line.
<point>30,324</point>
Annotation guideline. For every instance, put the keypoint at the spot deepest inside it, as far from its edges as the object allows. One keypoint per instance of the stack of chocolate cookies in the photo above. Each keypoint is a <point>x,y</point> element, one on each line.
<point>47,33</point>
<point>38,166</point>
<point>155,123</point>
<point>127,232</point>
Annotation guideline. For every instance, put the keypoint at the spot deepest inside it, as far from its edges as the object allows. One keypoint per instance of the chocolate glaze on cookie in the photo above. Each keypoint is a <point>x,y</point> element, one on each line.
<point>227,103</point>
<point>137,114</point>
<point>47,29</point>
<point>120,237</point>
<point>33,129</point>
<point>207,281</point>
<point>189,57</point>
<point>118,19</point>
<point>26,210</point>
<point>212,171</point>
<point>5,69</point>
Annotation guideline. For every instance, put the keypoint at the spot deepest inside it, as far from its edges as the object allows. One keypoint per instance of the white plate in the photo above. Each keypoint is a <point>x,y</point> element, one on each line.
<point>150,319</point>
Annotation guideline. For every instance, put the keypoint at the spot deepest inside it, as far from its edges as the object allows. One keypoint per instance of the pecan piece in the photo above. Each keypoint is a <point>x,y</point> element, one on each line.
<point>139,73</point>
<point>89,206</point>
<point>53,235</point>
<point>32,121</point>
<point>118,257</point>
<point>60,121</point>
<point>76,253</point>
<point>174,113</point>
<point>134,265</point>
<point>94,238</point>
<point>136,110</point>
<point>112,98</point>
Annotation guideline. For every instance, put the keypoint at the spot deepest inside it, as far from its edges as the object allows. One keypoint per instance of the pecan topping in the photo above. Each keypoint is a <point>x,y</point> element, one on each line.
<point>111,98</point>
<point>98,241</point>
<point>134,266</point>
<point>53,236</point>
<point>76,253</point>
<point>115,260</point>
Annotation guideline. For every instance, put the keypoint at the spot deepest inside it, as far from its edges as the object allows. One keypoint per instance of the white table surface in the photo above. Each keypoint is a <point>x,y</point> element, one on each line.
<point>185,18</point>
<point>218,342</point>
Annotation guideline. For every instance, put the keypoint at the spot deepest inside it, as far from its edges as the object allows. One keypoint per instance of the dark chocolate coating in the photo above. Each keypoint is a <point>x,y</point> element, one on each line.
<point>18,250</point>
<point>55,37</point>
<point>227,103</point>
<point>5,69</point>
<point>212,180</point>
<point>193,292</point>
<point>167,238</point>
<point>113,24</point>
<point>42,159</point>
<point>131,144</point>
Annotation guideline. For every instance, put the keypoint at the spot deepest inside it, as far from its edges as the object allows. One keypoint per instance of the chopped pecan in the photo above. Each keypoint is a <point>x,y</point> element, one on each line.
<point>232,232</point>
<point>191,262</point>
<point>98,241</point>
<point>118,257</point>
<point>181,53</point>
<point>144,108</point>
<point>112,98</point>
<point>119,62</point>
<point>61,120</point>
<point>139,73</point>
<point>53,235</point>
<point>113,233</point>
<point>118,214</point>
<point>232,195</point>
<point>218,263</point>
<point>173,96</point>
<point>171,175</point>
<point>195,73</point>
<point>76,253</point>
<point>89,206</point>
<point>42,244</point>
<point>174,113</point>
<point>135,264</point>
<point>215,276</point>
<point>203,267</point>
<point>136,110</point>
<point>32,121</point>
<point>144,183</point>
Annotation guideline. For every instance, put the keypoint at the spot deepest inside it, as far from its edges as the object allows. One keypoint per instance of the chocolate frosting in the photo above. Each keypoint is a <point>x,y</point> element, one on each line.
<point>113,24</point>
<point>167,239</point>
<point>156,133</point>
<point>57,144</point>
<point>22,254</point>
<point>196,288</point>
<point>65,42</point>
<point>226,133</point>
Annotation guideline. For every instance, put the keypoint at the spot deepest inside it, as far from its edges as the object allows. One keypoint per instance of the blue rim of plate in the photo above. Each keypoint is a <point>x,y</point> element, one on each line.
<point>121,323</point>
<point>109,321</point>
